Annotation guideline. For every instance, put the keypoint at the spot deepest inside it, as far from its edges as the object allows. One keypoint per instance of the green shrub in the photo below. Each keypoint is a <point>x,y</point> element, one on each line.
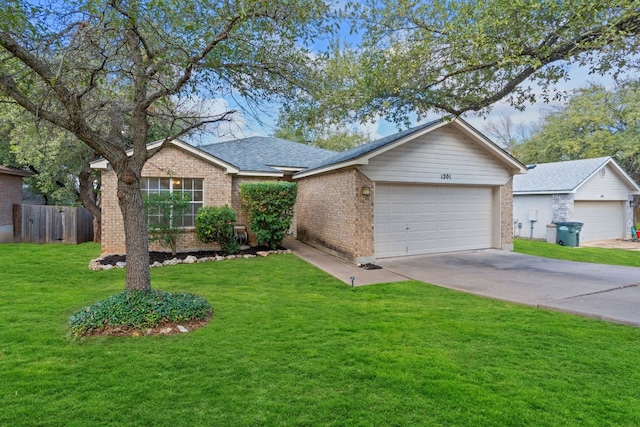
<point>270,209</point>
<point>215,224</point>
<point>139,309</point>
<point>161,210</point>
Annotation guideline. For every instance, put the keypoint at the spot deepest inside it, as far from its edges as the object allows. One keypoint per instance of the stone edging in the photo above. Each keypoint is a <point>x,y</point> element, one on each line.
<point>96,265</point>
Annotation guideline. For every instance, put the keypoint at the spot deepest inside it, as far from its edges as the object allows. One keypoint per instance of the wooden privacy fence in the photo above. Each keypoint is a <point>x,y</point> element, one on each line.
<point>52,224</point>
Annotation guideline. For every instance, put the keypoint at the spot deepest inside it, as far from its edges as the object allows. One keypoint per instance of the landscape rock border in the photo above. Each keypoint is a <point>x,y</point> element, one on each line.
<point>96,264</point>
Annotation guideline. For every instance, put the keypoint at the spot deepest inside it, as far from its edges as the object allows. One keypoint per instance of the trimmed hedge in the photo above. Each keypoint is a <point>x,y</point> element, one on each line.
<point>139,309</point>
<point>215,224</point>
<point>270,209</point>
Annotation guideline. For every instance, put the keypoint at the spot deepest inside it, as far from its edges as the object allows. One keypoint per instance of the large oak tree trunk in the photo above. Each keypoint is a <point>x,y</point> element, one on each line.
<point>135,231</point>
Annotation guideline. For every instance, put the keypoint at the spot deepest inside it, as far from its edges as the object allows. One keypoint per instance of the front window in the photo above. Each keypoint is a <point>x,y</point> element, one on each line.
<point>192,187</point>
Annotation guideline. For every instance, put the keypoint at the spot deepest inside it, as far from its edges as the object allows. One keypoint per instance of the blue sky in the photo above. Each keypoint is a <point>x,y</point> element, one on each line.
<point>246,126</point>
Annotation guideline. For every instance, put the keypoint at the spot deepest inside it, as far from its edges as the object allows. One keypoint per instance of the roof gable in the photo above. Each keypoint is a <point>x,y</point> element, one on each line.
<point>260,156</point>
<point>102,163</point>
<point>565,177</point>
<point>363,153</point>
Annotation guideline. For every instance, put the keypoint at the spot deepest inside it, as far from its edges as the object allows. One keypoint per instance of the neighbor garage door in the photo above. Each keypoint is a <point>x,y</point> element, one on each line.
<point>422,219</point>
<point>602,220</point>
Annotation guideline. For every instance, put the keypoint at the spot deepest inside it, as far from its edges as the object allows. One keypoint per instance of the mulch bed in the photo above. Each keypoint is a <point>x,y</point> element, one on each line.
<point>165,256</point>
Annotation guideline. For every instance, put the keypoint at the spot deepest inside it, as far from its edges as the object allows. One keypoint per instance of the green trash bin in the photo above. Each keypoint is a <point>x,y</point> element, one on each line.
<point>569,233</point>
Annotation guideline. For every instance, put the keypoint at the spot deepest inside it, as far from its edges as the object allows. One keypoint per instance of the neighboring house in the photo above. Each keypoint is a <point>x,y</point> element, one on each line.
<point>438,187</point>
<point>10,194</point>
<point>596,192</point>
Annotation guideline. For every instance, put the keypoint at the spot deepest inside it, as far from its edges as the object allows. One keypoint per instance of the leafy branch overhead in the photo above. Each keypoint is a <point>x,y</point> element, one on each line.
<point>417,57</point>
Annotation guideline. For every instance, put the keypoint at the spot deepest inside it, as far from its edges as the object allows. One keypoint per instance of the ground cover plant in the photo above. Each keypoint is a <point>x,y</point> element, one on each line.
<point>290,345</point>
<point>137,312</point>
<point>582,254</point>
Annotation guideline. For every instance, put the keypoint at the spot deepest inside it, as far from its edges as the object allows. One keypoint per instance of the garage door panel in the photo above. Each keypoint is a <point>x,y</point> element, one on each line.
<point>602,220</point>
<point>431,219</point>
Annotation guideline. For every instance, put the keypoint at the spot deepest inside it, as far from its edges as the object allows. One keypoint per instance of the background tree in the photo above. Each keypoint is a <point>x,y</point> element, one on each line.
<point>102,70</point>
<point>448,56</point>
<point>333,137</point>
<point>60,163</point>
<point>595,122</point>
<point>506,133</point>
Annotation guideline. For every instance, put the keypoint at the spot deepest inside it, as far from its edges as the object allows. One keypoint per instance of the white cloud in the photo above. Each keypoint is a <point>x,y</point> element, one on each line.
<point>238,125</point>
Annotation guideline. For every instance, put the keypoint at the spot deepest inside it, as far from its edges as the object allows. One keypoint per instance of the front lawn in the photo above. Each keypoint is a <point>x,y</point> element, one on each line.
<point>583,254</point>
<point>290,345</point>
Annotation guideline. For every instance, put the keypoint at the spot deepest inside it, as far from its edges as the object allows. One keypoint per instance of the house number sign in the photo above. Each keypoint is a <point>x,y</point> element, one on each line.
<point>445,176</point>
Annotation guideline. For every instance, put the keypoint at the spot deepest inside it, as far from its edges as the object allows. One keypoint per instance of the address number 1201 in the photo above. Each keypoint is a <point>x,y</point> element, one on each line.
<point>445,176</point>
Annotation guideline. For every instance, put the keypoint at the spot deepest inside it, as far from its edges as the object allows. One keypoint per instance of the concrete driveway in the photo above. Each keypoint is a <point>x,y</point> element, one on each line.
<point>600,291</point>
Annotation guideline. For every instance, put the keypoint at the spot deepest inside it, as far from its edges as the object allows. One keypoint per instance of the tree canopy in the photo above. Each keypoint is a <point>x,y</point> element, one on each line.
<point>595,122</point>
<point>417,57</point>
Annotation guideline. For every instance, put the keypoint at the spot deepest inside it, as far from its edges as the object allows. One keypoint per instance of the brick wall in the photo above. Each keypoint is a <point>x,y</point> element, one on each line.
<point>333,215</point>
<point>506,215</point>
<point>169,162</point>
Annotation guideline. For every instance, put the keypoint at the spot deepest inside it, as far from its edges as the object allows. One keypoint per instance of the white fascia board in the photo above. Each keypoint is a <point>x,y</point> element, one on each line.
<point>230,169</point>
<point>515,166</point>
<point>257,173</point>
<point>542,193</point>
<point>329,168</point>
<point>286,168</point>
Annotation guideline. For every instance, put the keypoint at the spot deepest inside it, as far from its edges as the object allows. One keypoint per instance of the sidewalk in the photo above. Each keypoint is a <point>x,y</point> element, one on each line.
<point>350,274</point>
<point>629,245</point>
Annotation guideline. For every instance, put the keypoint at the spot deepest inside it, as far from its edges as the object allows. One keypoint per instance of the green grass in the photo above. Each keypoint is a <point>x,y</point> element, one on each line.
<point>290,345</point>
<point>583,254</point>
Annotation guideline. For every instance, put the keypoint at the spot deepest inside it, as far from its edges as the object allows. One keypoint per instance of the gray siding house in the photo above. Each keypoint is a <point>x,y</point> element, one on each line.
<point>596,192</point>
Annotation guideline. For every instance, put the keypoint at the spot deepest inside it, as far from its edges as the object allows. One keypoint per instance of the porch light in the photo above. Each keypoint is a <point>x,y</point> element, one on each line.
<point>176,182</point>
<point>366,190</point>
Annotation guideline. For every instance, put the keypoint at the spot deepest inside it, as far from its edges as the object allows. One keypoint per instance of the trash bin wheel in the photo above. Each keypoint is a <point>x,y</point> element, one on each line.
<point>560,242</point>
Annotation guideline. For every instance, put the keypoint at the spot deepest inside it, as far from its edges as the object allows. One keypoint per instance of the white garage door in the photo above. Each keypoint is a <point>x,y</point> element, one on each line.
<point>422,219</point>
<point>602,220</point>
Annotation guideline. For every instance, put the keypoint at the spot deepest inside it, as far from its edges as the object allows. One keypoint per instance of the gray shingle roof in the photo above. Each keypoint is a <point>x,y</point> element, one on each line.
<point>361,150</point>
<point>557,177</point>
<point>262,154</point>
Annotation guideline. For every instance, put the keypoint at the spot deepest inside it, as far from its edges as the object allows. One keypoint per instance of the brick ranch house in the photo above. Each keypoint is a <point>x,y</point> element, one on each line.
<point>438,187</point>
<point>10,194</point>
